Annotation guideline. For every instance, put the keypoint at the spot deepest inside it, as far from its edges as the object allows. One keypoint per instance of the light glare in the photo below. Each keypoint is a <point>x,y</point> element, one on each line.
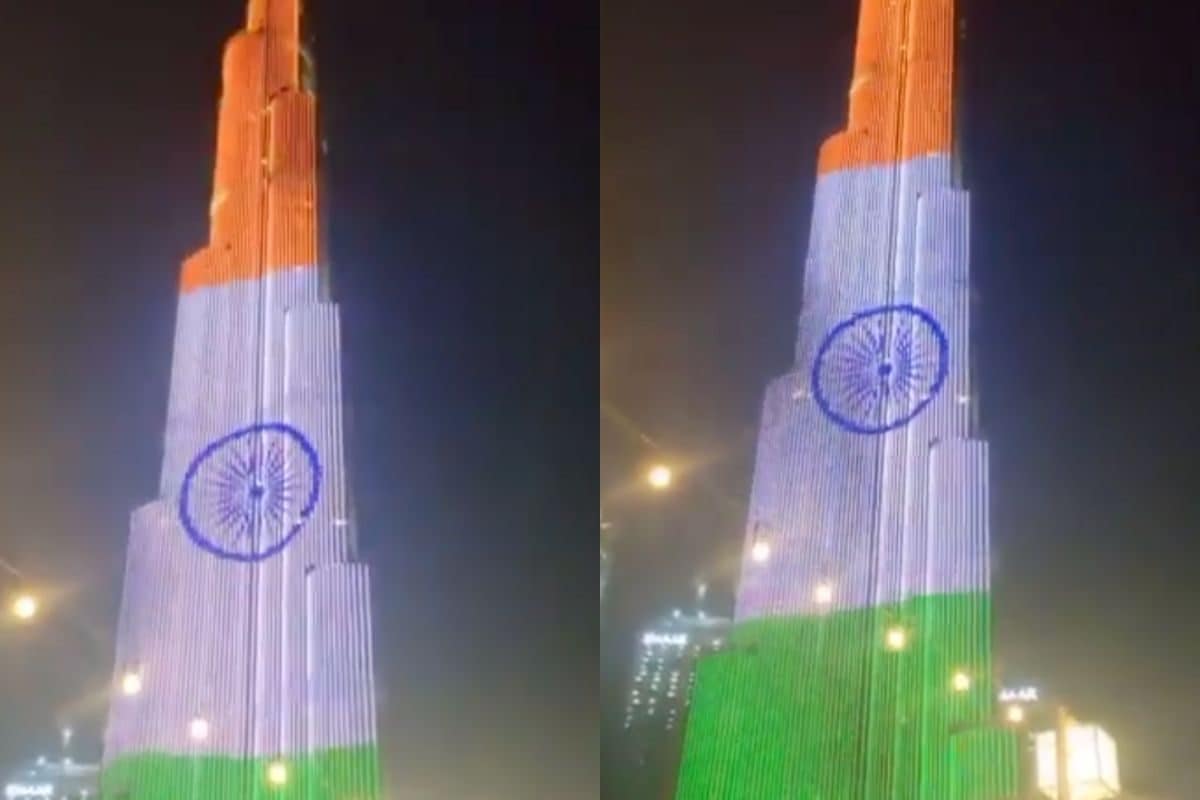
<point>277,773</point>
<point>761,551</point>
<point>1015,714</point>
<point>659,476</point>
<point>25,607</point>
<point>897,638</point>
<point>131,684</point>
<point>962,681</point>
<point>198,729</point>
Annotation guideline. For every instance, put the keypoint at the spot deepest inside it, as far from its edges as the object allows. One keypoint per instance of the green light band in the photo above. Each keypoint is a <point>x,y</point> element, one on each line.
<point>818,708</point>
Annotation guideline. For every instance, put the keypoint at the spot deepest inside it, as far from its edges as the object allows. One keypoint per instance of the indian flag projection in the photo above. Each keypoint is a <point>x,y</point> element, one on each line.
<point>860,664</point>
<point>243,657</point>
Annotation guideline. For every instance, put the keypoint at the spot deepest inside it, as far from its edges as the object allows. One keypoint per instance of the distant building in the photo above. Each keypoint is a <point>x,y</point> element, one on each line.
<point>659,695</point>
<point>1092,763</point>
<point>53,780</point>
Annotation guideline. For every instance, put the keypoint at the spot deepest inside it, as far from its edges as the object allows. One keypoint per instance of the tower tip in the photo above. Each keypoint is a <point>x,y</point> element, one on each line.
<point>276,15</point>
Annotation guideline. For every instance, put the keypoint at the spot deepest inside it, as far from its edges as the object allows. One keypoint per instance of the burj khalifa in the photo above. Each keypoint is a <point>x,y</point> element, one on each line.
<point>860,667</point>
<point>244,645</point>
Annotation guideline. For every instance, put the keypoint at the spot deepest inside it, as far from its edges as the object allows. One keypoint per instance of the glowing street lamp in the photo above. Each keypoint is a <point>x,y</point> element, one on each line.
<point>659,477</point>
<point>25,607</point>
<point>1015,714</point>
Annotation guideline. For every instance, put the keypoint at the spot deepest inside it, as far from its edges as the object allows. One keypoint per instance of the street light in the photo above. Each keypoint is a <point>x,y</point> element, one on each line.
<point>896,638</point>
<point>659,477</point>
<point>25,607</point>
<point>1015,714</point>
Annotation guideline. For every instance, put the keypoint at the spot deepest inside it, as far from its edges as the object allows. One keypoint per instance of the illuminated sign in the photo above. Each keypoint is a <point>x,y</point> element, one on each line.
<point>1023,694</point>
<point>1091,763</point>
<point>677,639</point>
<point>20,791</point>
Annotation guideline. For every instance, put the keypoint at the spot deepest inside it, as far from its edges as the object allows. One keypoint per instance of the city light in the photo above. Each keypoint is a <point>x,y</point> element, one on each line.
<point>1015,714</point>
<point>277,773</point>
<point>1091,757</point>
<point>25,607</point>
<point>659,477</point>
<point>961,681</point>
<point>897,638</point>
<point>131,683</point>
<point>761,551</point>
<point>198,729</point>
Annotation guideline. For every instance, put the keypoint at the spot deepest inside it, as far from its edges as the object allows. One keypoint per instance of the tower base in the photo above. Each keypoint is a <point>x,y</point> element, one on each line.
<point>817,708</point>
<point>336,774</point>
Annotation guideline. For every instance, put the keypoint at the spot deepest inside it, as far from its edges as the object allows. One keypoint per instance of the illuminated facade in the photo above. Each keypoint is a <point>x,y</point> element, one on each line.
<point>659,694</point>
<point>859,666</point>
<point>1090,760</point>
<point>243,659</point>
<point>52,780</point>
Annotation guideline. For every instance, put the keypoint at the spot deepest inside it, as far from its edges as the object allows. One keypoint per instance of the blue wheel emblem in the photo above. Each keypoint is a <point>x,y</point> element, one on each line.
<point>246,495</point>
<point>878,369</point>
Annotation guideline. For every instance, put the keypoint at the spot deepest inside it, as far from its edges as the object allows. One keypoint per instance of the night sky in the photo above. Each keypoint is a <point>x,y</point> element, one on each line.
<point>1082,141</point>
<point>463,183</point>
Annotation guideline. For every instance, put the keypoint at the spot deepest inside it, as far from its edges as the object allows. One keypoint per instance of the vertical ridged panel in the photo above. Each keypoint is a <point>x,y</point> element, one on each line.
<point>843,508</point>
<point>890,523</point>
<point>274,654</point>
<point>901,93</point>
<point>341,689</point>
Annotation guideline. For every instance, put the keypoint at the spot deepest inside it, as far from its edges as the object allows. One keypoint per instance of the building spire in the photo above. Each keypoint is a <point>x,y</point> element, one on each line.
<point>264,205</point>
<point>902,92</point>
<point>282,16</point>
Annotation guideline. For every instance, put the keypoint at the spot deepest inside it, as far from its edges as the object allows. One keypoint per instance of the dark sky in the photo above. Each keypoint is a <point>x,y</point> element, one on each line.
<point>463,177</point>
<point>1083,159</point>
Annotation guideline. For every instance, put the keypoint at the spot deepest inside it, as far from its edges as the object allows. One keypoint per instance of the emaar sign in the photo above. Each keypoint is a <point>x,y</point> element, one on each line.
<point>1023,694</point>
<point>28,791</point>
<point>667,639</point>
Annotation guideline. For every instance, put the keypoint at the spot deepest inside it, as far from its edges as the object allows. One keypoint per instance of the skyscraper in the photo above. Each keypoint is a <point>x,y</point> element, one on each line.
<point>243,658</point>
<point>659,694</point>
<point>860,662</point>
